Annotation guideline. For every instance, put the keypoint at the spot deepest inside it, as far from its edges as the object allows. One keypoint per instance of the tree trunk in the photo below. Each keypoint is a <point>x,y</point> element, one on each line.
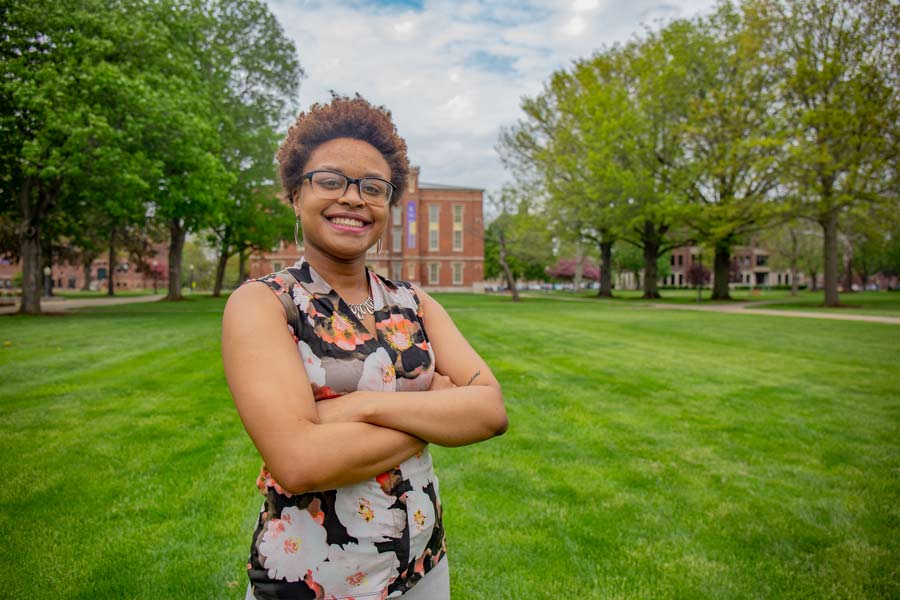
<point>507,272</point>
<point>794,253</point>
<point>30,251</point>
<point>86,263</point>
<point>111,265</point>
<point>220,271</point>
<point>30,244</point>
<point>605,270</point>
<point>176,245</point>
<point>848,272</point>
<point>813,281</point>
<point>722,271</point>
<point>830,227</point>
<point>651,242</point>
<point>579,266</point>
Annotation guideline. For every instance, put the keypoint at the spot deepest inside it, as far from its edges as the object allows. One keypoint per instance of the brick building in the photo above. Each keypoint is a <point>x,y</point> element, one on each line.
<point>434,238</point>
<point>124,273</point>
<point>752,263</point>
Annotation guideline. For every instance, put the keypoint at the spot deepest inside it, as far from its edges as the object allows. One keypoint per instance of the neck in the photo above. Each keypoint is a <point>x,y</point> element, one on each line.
<point>346,276</point>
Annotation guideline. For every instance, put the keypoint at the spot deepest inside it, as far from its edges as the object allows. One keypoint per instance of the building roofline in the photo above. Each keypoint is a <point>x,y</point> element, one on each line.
<point>440,186</point>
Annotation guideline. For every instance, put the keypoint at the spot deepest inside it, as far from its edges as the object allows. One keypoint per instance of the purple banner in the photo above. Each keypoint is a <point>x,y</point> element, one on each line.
<point>411,224</point>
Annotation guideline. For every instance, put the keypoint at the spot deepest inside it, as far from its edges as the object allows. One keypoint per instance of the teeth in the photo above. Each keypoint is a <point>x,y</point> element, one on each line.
<point>348,222</point>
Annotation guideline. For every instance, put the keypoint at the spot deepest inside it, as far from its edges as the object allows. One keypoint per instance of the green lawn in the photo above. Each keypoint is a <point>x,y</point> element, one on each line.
<point>651,454</point>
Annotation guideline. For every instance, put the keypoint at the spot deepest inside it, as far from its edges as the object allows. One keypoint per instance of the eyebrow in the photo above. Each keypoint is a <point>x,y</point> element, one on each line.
<point>339,170</point>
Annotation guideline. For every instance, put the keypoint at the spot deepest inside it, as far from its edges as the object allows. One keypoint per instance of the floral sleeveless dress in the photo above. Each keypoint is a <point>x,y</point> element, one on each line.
<point>375,538</point>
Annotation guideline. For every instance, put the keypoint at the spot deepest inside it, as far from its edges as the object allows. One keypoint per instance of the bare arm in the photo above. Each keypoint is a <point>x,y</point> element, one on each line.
<point>274,399</point>
<point>470,411</point>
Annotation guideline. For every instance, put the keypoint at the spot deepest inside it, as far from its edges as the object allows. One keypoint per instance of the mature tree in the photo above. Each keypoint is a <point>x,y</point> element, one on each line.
<point>733,142</point>
<point>257,75</point>
<point>839,64</point>
<point>591,139</point>
<point>518,241</point>
<point>100,106</point>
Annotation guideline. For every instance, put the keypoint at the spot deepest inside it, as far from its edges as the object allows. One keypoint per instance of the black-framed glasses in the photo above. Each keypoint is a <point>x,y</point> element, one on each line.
<point>331,186</point>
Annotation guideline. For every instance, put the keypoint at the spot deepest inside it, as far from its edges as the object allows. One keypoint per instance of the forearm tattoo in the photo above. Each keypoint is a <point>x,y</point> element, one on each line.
<point>474,377</point>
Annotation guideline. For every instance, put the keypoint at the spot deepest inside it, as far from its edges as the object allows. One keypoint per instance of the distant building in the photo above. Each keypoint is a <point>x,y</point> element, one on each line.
<point>125,274</point>
<point>434,238</point>
<point>752,264</point>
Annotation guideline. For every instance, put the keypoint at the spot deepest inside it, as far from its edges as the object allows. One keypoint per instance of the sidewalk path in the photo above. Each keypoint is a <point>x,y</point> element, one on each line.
<point>60,305</point>
<point>744,308</point>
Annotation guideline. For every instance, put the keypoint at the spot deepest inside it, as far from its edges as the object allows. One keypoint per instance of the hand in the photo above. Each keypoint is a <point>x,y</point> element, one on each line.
<point>440,382</point>
<point>340,409</point>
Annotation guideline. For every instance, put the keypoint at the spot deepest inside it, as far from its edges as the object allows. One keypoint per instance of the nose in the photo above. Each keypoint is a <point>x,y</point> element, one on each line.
<point>354,199</point>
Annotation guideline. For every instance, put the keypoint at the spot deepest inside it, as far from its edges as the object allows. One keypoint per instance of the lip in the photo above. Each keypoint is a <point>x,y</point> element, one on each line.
<point>367,224</point>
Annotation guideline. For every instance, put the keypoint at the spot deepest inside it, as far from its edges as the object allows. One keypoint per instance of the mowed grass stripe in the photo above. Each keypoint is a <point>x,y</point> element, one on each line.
<point>651,454</point>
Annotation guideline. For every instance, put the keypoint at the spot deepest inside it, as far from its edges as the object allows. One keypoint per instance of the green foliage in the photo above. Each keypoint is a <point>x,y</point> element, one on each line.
<point>838,65</point>
<point>521,234</point>
<point>116,112</point>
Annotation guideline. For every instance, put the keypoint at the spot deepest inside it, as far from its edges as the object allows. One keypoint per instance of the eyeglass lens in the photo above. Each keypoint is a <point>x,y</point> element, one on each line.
<point>333,185</point>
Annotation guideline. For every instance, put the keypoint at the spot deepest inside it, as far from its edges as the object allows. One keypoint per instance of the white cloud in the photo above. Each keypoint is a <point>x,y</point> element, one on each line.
<point>454,73</point>
<point>575,26</point>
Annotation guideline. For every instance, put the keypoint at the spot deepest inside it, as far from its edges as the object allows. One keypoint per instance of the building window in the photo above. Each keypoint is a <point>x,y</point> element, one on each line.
<point>680,260</point>
<point>434,223</point>
<point>434,273</point>
<point>396,271</point>
<point>672,260</point>
<point>457,273</point>
<point>458,227</point>
<point>411,271</point>
<point>397,239</point>
<point>396,215</point>
<point>680,276</point>
<point>276,267</point>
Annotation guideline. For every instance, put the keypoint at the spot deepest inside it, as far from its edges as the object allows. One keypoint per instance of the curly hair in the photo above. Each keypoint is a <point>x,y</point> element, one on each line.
<point>343,117</point>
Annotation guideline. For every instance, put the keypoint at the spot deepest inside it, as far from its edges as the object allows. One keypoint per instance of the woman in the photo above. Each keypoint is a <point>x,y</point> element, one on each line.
<point>352,505</point>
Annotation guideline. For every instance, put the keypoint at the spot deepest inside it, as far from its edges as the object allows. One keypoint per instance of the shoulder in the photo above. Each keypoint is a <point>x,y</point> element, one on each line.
<point>255,300</point>
<point>429,305</point>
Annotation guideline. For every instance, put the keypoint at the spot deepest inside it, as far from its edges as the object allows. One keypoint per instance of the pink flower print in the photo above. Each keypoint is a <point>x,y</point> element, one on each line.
<point>293,545</point>
<point>341,332</point>
<point>421,521</point>
<point>312,364</point>
<point>265,481</point>
<point>355,571</point>
<point>378,373</point>
<point>302,298</point>
<point>363,508</point>
<point>398,331</point>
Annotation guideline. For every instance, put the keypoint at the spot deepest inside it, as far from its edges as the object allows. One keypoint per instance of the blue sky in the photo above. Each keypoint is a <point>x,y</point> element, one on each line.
<point>454,72</point>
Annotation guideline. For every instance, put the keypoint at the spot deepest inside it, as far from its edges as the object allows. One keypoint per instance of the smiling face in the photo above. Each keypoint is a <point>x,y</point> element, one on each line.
<point>345,228</point>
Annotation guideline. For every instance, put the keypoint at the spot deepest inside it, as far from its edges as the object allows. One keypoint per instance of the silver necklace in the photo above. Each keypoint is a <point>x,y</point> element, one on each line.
<point>367,307</point>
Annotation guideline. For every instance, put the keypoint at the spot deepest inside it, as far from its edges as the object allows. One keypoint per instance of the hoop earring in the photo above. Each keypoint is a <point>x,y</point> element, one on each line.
<point>297,233</point>
<point>378,247</point>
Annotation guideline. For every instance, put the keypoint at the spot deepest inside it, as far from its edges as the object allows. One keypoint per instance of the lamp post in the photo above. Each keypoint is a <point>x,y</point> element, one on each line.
<point>191,289</point>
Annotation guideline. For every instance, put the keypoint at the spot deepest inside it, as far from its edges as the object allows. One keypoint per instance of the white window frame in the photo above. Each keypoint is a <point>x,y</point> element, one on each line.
<point>434,227</point>
<point>458,227</point>
<point>434,273</point>
<point>458,269</point>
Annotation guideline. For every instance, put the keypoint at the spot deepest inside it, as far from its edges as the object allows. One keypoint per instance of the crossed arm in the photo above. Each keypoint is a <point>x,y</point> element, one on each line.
<point>311,446</point>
